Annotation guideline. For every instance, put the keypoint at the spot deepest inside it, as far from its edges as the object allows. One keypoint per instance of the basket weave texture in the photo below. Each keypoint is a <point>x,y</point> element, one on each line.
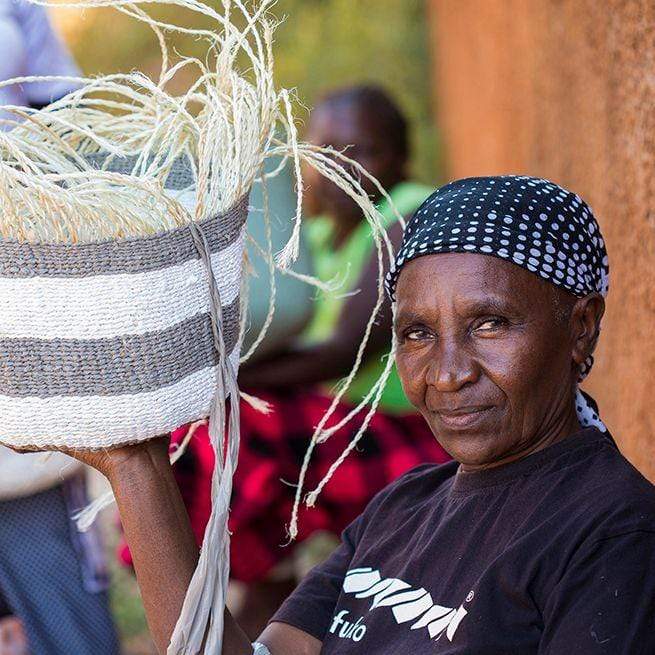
<point>110,343</point>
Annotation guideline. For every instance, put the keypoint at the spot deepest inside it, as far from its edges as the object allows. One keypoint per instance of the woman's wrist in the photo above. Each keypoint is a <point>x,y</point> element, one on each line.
<point>157,529</point>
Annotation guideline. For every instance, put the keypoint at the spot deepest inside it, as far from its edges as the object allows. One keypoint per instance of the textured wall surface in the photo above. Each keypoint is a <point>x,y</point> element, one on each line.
<point>565,89</point>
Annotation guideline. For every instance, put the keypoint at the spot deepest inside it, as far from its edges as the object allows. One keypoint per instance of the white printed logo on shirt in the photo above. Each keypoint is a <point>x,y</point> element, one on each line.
<point>406,604</point>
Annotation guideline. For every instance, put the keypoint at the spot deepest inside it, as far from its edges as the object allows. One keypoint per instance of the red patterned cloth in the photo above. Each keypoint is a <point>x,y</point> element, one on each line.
<point>272,450</point>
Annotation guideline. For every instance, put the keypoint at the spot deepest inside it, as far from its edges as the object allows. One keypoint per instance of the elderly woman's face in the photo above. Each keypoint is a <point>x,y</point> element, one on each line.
<point>483,353</point>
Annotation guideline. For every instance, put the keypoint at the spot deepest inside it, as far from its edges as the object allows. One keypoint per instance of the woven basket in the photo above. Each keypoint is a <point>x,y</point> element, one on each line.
<point>110,343</point>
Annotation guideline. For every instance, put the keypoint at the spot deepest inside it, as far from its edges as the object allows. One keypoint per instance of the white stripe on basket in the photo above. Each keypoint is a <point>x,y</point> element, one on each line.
<point>103,421</point>
<point>106,306</point>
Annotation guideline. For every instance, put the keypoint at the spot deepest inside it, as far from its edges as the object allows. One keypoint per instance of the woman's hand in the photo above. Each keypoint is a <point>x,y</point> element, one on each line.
<point>111,461</point>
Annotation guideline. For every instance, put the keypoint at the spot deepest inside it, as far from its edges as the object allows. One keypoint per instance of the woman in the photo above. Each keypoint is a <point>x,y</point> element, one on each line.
<point>540,537</point>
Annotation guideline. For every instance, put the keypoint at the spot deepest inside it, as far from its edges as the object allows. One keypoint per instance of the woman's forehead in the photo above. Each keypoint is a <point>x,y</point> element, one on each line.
<point>467,276</point>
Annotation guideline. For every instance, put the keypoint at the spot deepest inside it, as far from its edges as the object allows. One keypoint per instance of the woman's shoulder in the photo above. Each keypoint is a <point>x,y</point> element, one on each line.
<point>624,491</point>
<point>606,493</point>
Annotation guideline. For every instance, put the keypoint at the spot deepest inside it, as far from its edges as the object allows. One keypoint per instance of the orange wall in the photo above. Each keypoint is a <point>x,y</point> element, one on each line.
<point>565,89</point>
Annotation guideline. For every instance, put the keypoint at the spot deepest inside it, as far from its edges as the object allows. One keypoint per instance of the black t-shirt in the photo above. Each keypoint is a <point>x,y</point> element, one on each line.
<point>554,553</point>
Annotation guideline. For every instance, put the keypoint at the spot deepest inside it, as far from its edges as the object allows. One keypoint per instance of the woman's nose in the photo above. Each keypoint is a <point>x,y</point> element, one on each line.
<point>451,367</point>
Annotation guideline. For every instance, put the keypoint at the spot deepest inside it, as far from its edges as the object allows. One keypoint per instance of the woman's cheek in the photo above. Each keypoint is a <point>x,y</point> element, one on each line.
<point>411,370</point>
<point>514,365</point>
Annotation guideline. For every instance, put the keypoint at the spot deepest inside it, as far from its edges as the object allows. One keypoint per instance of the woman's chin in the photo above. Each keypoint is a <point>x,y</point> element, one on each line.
<point>469,442</point>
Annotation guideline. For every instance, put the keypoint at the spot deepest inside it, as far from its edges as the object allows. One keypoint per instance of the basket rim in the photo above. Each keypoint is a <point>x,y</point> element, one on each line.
<point>238,205</point>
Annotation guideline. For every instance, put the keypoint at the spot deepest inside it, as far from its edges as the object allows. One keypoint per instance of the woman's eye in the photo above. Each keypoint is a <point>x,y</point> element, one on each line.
<point>416,335</point>
<point>490,324</point>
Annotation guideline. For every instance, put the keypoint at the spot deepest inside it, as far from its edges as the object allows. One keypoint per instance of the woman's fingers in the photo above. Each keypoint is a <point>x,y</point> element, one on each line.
<point>107,460</point>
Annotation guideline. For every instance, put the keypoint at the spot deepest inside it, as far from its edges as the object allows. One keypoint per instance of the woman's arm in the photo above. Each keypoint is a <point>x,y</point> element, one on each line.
<point>163,547</point>
<point>157,530</point>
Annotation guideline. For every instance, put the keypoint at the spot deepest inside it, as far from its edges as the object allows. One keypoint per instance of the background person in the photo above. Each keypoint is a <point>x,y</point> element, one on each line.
<point>53,580</point>
<point>30,47</point>
<point>293,297</point>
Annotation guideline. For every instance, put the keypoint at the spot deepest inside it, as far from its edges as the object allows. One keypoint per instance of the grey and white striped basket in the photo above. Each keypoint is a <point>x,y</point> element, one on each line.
<point>109,343</point>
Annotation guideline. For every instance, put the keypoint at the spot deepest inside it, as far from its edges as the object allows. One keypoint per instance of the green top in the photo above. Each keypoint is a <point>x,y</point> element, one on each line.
<point>347,263</point>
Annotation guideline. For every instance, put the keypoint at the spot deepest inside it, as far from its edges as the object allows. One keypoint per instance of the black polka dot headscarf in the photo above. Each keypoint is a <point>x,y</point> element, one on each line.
<point>531,222</point>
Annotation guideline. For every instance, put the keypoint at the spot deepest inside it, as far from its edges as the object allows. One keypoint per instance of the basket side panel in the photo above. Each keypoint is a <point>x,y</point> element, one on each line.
<point>95,422</point>
<point>129,364</point>
<point>24,260</point>
<point>114,358</point>
<point>107,306</point>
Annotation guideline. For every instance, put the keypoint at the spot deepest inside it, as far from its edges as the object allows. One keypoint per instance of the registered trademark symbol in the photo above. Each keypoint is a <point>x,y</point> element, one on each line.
<point>469,598</point>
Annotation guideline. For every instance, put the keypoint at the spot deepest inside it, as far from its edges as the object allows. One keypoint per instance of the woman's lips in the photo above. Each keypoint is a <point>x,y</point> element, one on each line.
<point>463,417</point>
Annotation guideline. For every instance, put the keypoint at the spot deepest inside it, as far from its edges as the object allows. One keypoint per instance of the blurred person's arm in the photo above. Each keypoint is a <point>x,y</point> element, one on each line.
<point>312,364</point>
<point>46,55</point>
<point>164,550</point>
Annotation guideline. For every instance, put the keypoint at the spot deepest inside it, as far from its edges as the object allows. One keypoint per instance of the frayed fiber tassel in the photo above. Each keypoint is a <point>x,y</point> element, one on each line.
<point>125,205</point>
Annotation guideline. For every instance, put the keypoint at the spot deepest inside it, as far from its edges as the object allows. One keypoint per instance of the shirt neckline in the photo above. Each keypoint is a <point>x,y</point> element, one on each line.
<point>470,481</point>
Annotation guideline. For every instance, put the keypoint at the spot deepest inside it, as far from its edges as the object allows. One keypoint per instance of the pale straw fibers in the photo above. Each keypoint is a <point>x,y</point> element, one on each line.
<point>122,211</point>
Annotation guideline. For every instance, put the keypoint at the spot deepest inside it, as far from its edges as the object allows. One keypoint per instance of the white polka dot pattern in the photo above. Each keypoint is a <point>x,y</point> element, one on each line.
<point>531,222</point>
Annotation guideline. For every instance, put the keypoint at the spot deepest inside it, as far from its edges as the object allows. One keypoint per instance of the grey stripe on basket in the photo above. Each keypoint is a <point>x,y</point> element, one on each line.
<point>180,176</point>
<point>24,260</point>
<point>121,365</point>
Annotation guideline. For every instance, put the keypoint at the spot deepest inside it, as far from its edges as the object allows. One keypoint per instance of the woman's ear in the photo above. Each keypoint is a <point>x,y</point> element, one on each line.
<point>585,326</point>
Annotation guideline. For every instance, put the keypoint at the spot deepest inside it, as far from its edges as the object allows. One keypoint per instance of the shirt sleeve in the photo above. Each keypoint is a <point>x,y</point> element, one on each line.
<point>311,606</point>
<point>605,602</point>
<point>46,55</point>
